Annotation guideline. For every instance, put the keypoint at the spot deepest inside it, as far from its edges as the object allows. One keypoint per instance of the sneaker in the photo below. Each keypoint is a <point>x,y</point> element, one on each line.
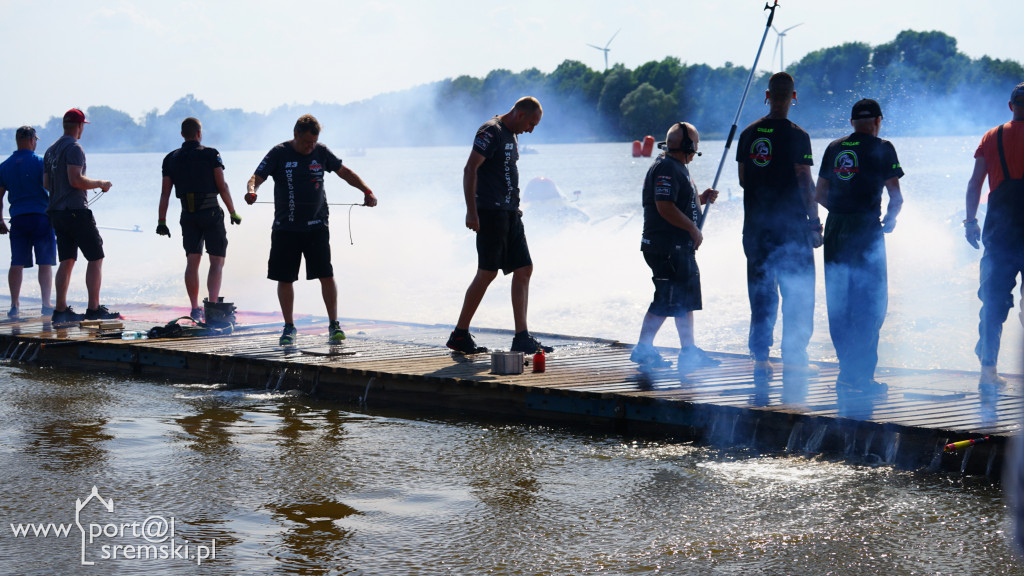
<point>288,336</point>
<point>800,370</point>
<point>101,313</point>
<point>196,314</point>
<point>464,343</point>
<point>647,356</point>
<point>991,378</point>
<point>763,370</point>
<point>66,316</point>
<point>527,344</point>
<point>46,311</point>
<point>691,358</point>
<point>865,387</point>
<point>337,335</point>
<point>13,312</point>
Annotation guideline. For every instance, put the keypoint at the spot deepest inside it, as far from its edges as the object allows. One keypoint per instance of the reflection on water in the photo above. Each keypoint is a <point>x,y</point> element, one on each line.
<point>289,485</point>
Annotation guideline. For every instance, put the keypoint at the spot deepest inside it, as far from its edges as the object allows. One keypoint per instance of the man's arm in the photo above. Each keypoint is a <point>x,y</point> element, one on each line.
<point>222,188</point>
<point>674,216</point>
<point>469,189</point>
<point>740,173</point>
<point>81,182</point>
<point>254,183</point>
<point>808,192</point>
<point>355,181</point>
<point>165,195</point>
<point>3,225</point>
<point>972,231</point>
<point>892,185</point>
<point>821,192</point>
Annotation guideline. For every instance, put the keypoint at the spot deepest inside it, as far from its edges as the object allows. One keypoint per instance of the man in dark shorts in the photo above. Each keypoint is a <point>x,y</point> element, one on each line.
<point>780,230</point>
<point>22,176</point>
<point>197,175</point>
<point>853,173</point>
<point>1000,158</point>
<point>669,244</point>
<point>72,220</point>
<point>490,183</point>
<point>300,218</point>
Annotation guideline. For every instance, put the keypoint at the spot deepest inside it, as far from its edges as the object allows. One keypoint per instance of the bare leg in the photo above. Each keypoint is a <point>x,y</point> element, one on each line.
<point>214,276</point>
<point>684,325</point>
<point>286,297</point>
<point>649,329</point>
<point>93,280</point>
<point>45,284</point>
<point>474,294</point>
<point>520,296</point>
<point>329,290</point>
<point>14,282</point>
<point>62,281</point>
<point>192,278</point>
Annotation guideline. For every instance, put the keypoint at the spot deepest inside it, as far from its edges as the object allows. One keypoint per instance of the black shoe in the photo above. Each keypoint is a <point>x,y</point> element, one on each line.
<point>527,344</point>
<point>66,316</point>
<point>14,312</point>
<point>287,336</point>
<point>863,387</point>
<point>464,343</point>
<point>647,356</point>
<point>691,358</point>
<point>101,313</point>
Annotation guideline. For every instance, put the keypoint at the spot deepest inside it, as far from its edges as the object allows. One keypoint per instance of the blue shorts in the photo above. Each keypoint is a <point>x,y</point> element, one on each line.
<point>32,232</point>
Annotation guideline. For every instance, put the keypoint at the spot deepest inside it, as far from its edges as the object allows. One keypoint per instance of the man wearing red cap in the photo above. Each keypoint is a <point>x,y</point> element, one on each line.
<point>73,222</point>
<point>1000,157</point>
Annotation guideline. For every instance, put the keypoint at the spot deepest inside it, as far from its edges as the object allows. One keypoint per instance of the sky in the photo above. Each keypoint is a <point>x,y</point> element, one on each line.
<point>138,56</point>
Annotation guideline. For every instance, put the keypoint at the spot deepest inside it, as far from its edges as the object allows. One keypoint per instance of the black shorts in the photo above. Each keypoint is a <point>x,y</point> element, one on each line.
<point>204,227</point>
<point>676,283</point>
<point>76,230</point>
<point>289,247</point>
<point>501,241</point>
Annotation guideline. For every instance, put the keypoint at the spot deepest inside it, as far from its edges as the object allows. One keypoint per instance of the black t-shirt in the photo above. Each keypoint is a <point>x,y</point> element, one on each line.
<point>857,167</point>
<point>299,199</point>
<point>769,149</point>
<point>667,179</point>
<point>191,169</point>
<point>497,179</point>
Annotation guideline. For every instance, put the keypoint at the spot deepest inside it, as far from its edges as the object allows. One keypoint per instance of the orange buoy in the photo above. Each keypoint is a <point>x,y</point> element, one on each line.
<point>637,150</point>
<point>648,145</point>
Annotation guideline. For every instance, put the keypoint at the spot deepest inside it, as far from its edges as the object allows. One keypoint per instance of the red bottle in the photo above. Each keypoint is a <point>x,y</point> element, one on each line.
<point>538,361</point>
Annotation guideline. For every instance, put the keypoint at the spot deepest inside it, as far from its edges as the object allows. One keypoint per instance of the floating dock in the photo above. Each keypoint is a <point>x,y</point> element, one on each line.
<point>587,382</point>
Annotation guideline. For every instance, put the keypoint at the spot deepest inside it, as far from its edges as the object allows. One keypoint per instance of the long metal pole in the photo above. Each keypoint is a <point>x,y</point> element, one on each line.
<point>732,131</point>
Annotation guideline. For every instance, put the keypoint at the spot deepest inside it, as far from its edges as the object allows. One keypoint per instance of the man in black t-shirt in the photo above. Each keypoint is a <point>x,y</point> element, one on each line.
<point>669,243</point>
<point>196,173</point>
<point>300,218</point>
<point>780,230</point>
<point>490,183</point>
<point>853,173</point>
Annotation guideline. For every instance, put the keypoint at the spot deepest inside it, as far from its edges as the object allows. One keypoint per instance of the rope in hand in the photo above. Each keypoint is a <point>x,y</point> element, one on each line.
<point>350,205</point>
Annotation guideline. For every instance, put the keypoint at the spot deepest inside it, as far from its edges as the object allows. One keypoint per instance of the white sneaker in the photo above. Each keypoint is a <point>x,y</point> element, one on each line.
<point>990,377</point>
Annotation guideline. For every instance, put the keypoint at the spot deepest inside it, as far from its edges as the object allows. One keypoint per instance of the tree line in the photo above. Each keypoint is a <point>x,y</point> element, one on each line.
<point>925,85</point>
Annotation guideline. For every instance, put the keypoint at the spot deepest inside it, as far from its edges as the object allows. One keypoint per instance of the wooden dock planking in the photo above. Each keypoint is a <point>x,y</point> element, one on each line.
<point>587,380</point>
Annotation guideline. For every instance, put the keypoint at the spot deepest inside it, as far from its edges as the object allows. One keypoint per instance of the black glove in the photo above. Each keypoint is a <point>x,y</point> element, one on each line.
<point>235,218</point>
<point>162,229</point>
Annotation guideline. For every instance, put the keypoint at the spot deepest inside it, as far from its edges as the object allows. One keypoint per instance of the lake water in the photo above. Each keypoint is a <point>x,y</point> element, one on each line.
<point>290,485</point>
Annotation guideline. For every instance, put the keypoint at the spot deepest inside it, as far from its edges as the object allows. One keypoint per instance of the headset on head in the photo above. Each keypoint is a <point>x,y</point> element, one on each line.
<point>686,146</point>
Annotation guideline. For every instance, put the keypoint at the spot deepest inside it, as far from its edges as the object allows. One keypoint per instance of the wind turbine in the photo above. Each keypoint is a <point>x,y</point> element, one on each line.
<point>606,49</point>
<point>779,47</point>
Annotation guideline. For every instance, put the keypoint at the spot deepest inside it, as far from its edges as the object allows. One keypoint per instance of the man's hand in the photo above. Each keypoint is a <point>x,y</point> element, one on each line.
<point>473,221</point>
<point>888,225</point>
<point>162,229</point>
<point>235,218</point>
<point>250,198</point>
<point>709,196</point>
<point>972,231</point>
<point>105,185</point>
<point>814,233</point>
<point>3,227</point>
<point>369,199</point>
<point>696,237</point>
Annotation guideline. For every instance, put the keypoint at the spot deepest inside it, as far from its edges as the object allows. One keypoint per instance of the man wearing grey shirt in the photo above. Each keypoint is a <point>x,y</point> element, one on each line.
<point>64,177</point>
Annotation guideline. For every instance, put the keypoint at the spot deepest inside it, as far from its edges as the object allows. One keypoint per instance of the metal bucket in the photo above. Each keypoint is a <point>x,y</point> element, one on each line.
<point>507,362</point>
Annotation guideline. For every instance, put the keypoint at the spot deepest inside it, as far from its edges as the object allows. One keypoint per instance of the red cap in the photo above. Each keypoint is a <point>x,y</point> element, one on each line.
<point>76,116</point>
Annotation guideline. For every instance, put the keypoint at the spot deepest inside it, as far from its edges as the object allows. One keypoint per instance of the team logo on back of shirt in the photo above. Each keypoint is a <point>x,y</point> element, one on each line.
<point>846,165</point>
<point>761,152</point>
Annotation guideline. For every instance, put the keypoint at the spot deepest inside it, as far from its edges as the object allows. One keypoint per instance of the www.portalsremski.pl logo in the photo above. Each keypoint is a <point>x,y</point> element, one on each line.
<point>150,539</point>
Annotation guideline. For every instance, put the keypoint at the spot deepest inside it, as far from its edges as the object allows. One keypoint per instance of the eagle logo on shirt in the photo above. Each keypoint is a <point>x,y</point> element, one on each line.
<point>761,152</point>
<point>846,165</point>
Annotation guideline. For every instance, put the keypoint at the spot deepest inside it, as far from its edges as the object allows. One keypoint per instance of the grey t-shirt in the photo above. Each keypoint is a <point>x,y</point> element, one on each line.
<point>66,151</point>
